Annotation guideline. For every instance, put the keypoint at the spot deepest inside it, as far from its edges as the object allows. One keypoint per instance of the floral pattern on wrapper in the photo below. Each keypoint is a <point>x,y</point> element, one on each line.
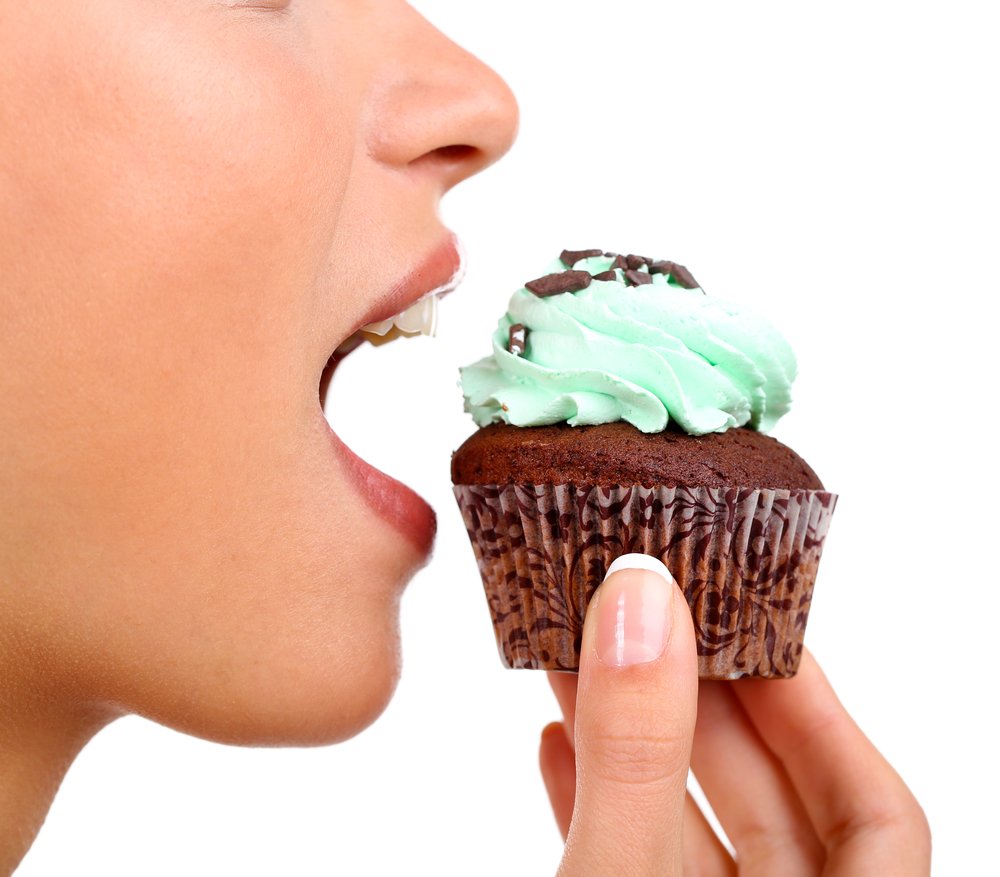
<point>745,558</point>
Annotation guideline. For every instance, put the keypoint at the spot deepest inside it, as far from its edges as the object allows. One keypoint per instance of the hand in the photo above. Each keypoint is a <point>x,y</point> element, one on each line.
<point>795,784</point>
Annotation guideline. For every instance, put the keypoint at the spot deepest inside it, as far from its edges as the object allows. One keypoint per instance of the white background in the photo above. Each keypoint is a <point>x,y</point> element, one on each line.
<point>835,167</point>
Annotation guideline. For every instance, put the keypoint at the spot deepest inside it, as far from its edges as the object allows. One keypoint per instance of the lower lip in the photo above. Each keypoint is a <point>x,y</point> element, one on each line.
<point>392,500</point>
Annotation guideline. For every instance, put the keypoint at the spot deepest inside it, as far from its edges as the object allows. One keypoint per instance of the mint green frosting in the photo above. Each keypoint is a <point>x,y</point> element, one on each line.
<point>647,354</point>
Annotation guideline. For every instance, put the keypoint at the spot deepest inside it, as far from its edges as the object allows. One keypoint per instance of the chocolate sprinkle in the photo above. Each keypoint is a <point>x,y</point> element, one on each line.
<point>570,257</point>
<point>682,277</point>
<point>564,281</point>
<point>638,278</point>
<point>517,339</point>
<point>573,281</point>
<point>678,273</point>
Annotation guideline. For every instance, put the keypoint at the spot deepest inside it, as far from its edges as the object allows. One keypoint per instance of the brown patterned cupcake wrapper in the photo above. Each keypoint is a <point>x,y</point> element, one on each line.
<point>746,560</point>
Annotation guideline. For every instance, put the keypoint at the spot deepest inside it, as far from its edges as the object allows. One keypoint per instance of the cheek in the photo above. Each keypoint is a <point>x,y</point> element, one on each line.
<point>178,216</point>
<point>181,197</point>
<point>212,154</point>
<point>204,553</point>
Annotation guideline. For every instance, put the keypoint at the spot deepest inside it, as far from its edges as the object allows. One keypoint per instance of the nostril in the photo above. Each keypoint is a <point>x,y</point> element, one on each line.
<point>456,155</point>
<point>456,152</point>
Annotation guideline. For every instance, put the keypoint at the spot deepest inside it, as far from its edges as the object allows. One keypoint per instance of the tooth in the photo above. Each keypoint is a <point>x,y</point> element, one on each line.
<point>431,323</point>
<point>379,328</point>
<point>411,319</point>
<point>420,318</point>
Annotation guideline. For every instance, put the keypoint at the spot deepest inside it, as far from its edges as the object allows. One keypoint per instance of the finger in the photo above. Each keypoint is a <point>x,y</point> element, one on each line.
<point>564,688</point>
<point>558,765</point>
<point>704,853</point>
<point>862,811</point>
<point>750,792</point>
<point>635,713</point>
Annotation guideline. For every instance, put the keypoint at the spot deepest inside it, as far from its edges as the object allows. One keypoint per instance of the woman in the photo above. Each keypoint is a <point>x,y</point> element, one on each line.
<point>201,201</point>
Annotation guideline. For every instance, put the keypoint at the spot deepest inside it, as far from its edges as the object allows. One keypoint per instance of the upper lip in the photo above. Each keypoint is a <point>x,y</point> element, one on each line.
<point>440,271</point>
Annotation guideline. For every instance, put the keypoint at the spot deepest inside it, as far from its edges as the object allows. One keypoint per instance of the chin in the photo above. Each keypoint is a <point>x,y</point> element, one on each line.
<point>324,714</point>
<point>305,688</point>
<point>299,715</point>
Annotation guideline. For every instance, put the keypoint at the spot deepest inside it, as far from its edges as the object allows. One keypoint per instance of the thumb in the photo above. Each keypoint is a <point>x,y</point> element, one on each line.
<point>635,715</point>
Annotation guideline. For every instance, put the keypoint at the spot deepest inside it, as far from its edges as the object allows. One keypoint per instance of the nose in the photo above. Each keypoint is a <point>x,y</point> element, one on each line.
<point>439,110</point>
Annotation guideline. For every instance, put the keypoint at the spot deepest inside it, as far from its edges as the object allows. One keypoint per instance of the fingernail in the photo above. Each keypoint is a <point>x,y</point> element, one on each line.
<point>634,611</point>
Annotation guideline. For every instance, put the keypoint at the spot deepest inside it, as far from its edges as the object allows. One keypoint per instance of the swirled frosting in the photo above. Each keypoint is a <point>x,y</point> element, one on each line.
<point>647,352</point>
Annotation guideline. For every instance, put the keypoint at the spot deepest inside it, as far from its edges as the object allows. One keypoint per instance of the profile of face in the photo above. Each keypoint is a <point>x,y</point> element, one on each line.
<point>200,201</point>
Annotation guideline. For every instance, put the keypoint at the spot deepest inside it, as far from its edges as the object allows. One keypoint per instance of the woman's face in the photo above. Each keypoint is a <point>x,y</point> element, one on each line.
<point>200,200</point>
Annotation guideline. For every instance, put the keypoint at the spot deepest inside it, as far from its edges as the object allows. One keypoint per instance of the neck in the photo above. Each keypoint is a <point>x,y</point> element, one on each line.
<point>38,741</point>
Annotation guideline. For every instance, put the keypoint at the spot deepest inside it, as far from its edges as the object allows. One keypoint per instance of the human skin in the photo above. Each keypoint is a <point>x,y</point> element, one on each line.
<point>199,201</point>
<point>795,784</point>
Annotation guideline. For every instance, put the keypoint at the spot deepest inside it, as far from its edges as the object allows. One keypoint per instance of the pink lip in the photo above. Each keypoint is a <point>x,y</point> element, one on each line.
<point>392,500</point>
<point>437,269</point>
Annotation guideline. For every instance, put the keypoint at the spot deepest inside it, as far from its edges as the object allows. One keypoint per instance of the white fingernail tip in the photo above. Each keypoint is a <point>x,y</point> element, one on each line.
<point>640,561</point>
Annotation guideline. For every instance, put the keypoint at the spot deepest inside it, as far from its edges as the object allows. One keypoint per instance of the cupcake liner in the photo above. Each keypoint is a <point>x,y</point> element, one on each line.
<point>745,558</point>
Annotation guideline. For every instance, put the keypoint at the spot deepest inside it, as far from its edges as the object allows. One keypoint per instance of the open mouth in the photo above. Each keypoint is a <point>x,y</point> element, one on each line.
<point>417,298</point>
<point>419,318</point>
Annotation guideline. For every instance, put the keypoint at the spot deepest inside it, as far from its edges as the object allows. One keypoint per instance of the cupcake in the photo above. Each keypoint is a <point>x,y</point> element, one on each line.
<point>623,410</point>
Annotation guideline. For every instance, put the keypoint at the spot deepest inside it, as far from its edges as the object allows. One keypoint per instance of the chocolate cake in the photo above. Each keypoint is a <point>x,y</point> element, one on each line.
<point>612,454</point>
<point>623,410</point>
